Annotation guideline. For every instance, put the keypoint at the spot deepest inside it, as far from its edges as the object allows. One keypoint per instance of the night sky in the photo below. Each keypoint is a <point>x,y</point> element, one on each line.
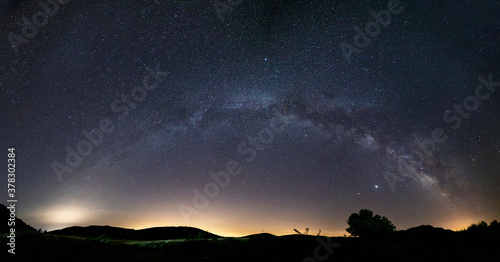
<point>239,117</point>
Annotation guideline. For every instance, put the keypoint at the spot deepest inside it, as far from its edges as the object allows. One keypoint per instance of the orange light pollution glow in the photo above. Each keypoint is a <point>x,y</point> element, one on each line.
<point>218,220</point>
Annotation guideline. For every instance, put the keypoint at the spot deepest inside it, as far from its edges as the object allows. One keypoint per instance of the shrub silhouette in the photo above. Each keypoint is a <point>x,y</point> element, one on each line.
<point>482,227</point>
<point>478,227</point>
<point>365,223</point>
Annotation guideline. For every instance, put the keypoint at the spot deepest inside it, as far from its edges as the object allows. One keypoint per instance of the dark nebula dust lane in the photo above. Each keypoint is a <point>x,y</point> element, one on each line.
<point>261,115</point>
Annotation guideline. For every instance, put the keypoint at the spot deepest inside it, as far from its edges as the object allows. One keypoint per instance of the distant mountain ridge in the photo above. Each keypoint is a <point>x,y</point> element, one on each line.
<point>154,233</point>
<point>424,230</point>
<point>260,235</point>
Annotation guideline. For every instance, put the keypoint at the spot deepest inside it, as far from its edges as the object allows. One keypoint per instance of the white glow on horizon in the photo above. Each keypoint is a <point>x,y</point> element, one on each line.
<point>66,215</point>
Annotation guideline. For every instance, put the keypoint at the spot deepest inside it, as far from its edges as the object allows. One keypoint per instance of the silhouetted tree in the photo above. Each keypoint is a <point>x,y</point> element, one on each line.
<point>495,227</point>
<point>365,223</point>
<point>478,227</point>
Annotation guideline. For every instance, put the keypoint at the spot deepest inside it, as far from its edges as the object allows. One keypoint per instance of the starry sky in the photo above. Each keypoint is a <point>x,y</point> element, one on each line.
<point>239,117</point>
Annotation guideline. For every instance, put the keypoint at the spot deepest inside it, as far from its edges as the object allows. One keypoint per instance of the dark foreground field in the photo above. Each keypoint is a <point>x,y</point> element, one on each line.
<point>423,243</point>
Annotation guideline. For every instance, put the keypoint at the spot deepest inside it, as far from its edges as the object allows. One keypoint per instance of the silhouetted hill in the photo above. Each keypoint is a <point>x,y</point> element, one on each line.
<point>261,235</point>
<point>422,243</point>
<point>425,231</point>
<point>155,233</point>
<point>20,224</point>
<point>479,242</point>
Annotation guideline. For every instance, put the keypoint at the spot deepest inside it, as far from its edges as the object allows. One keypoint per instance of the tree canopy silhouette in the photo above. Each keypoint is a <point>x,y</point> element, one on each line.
<point>365,223</point>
